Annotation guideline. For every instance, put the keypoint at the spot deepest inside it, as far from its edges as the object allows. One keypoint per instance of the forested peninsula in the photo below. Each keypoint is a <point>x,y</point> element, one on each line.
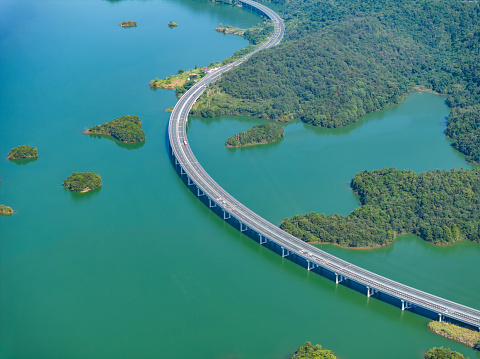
<point>439,206</point>
<point>127,129</point>
<point>340,61</point>
<point>257,135</point>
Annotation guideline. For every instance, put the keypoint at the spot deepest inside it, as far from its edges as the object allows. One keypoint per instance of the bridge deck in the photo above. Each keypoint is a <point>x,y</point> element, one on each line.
<point>312,255</point>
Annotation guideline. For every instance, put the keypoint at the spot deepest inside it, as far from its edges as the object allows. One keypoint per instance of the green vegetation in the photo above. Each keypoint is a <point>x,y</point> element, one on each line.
<point>441,353</point>
<point>172,24</point>
<point>183,81</point>
<point>22,152</point>
<point>337,63</point>
<point>308,351</point>
<point>5,210</point>
<point>459,334</point>
<point>227,29</point>
<point>439,206</point>
<point>127,129</point>
<point>128,23</point>
<point>464,127</point>
<point>82,181</point>
<point>260,134</point>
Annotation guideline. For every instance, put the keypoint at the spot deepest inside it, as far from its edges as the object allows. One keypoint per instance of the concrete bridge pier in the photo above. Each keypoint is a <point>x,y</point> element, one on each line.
<point>210,205</point>
<point>406,305</point>
<point>285,252</point>
<point>371,291</point>
<point>339,278</point>
<point>263,239</point>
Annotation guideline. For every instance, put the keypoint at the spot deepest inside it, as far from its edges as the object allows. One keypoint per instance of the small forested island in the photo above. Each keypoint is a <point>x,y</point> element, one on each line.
<point>82,181</point>
<point>442,353</point>
<point>5,210</point>
<point>260,134</point>
<point>127,129</point>
<point>128,23</point>
<point>309,351</point>
<point>462,335</point>
<point>441,207</point>
<point>23,152</point>
<point>172,24</point>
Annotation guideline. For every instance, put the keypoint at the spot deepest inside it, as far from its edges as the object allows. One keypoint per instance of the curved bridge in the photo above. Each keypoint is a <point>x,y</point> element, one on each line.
<point>268,234</point>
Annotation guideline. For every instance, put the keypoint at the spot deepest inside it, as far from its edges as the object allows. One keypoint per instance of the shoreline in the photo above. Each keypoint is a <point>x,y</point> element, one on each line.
<point>443,332</point>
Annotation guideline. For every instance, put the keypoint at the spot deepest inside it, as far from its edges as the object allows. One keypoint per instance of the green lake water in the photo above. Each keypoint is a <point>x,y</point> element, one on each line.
<point>140,268</point>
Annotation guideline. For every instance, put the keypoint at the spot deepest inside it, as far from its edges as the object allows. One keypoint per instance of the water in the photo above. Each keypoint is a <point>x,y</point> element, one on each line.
<point>139,267</point>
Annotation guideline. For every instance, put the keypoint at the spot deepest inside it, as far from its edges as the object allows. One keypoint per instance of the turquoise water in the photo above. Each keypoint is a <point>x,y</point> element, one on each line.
<point>140,268</point>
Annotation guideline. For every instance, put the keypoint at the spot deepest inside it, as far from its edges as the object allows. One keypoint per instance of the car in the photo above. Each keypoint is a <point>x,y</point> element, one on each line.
<point>185,142</point>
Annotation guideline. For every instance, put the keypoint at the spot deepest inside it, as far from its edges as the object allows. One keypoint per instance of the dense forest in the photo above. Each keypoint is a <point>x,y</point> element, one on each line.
<point>82,181</point>
<point>260,134</point>
<point>438,206</point>
<point>341,60</point>
<point>22,152</point>
<point>309,351</point>
<point>127,129</point>
<point>442,353</point>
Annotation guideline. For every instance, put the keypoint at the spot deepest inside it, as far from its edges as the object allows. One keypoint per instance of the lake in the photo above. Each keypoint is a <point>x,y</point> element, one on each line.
<point>140,268</point>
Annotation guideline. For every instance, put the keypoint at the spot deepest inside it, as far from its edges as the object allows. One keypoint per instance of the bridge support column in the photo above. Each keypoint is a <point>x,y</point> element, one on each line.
<point>371,291</point>
<point>440,317</point>
<point>263,239</point>
<point>225,215</point>
<point>210,205</point>
<point>406,305</point>
<point>310,267</point>
<point>339,278</point>
<point>190,182</point>
<point>176,161</point>
<point>285,252</point>
<point>200,192</point>
<point>182,172</point>
<point>242,229</point>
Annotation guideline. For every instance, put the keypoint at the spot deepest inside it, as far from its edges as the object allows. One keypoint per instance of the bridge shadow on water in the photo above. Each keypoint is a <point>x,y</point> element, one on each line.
<point>229,217</point>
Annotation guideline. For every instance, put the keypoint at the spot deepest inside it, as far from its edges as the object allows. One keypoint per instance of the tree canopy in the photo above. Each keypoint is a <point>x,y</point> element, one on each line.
<point>260,134</point>
<point>22,152</point>
<point>337,63</point>
<point>438,206</point>
<point>126,129</point>
<point>82,181</point>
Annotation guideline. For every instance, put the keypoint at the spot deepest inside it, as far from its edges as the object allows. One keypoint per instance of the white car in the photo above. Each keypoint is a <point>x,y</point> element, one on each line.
<point>185,142</point>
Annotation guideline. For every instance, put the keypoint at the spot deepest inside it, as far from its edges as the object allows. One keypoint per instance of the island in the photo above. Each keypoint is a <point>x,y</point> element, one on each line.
<point>82,181</point>
<point>23,152</point>
<point>440,207</point>
<point>442,353</point>
<point>127,129</point>
<point>459,334</point>
<point>172,24</point>
<point>5,210</point>
<point>257,135</point>
<point>128,23</point>
<point>309,351</point>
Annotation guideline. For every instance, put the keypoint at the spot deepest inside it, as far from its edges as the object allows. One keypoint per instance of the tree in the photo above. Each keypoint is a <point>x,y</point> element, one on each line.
<point>441,353</point>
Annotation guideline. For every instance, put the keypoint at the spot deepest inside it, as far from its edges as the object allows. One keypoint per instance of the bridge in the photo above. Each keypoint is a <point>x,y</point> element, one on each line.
<point>283,243</point>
